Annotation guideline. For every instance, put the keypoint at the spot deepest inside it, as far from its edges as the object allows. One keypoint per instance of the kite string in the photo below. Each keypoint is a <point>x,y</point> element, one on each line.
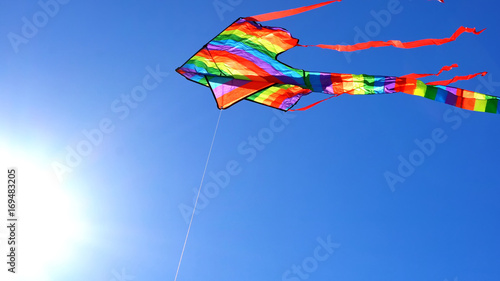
<point>198,196</point>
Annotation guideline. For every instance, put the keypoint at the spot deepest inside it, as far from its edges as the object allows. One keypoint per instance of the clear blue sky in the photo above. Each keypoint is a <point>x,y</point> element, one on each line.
<point>279,186</point>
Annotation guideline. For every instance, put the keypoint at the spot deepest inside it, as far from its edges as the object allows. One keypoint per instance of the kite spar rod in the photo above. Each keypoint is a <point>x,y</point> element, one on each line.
<point>197,196</point>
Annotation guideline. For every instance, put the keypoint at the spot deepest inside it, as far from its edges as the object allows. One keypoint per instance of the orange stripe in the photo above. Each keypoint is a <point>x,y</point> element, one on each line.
<point>279,97</point>
<point>347,83</point>
<point>468,94</point>
<point>469,104</point>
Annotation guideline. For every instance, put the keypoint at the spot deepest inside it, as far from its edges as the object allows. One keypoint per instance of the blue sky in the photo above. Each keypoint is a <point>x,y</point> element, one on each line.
<point>287,196</point>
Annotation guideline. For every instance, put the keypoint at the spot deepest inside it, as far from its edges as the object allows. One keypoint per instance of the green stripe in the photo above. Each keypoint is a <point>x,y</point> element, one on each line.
<point>307,81</point>
<point>210,70</point>
<point>431,93</point>
<point>204,81</point>
<point>369,82</point>
<point>491,106</point>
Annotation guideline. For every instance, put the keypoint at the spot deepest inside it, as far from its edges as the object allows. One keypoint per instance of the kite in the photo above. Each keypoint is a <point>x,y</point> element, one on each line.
<point>240,63</point>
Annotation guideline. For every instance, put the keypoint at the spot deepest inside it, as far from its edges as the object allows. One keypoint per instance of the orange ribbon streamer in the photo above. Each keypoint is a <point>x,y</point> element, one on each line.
<point>396,43</point>
<point>287,13</point>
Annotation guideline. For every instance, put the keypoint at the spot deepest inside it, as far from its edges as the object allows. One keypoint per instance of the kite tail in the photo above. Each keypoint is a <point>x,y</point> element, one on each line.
<point>335,84</point>
<point>289,12</point>
<point>397,43</point>
<point>444,82</point>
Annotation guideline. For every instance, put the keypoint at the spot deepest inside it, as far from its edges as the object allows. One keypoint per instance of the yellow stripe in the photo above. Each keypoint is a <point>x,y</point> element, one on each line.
<point>264,95</point>
<point>479,96</point>
<point>480,105</point>
<point>420,89</point>
<point>268,45</point>
<point>358,84</point>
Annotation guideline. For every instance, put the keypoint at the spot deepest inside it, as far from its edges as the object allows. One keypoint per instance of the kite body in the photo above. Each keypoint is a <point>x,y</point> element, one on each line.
<point>241,64</point>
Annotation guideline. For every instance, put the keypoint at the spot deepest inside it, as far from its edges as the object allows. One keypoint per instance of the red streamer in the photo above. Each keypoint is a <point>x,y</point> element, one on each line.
<point>396,43</point>
<point>312,105</point>
<point>416,76</point>
<point>456,78</point>
<point>287,13</point>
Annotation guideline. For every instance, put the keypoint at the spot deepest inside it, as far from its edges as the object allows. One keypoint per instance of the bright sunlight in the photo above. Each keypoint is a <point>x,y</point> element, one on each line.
<point>49,224</point>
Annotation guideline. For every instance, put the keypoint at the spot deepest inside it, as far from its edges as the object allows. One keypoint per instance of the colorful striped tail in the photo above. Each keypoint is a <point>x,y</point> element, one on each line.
<point>335,84</point>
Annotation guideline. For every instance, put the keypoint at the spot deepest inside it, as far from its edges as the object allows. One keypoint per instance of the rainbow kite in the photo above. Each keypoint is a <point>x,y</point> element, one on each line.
<point>240,64</point>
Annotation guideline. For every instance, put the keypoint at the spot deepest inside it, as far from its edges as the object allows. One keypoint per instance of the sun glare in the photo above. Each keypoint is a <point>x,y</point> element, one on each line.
<point>49,224</point>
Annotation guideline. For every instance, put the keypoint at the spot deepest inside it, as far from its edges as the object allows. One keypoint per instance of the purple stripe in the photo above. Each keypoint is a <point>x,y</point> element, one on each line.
<point>390,84</point>
<point>188,73</point>
<point>452,90</point>
<point>326,83</point>
<point>288,102</point>
<point>451,98</point>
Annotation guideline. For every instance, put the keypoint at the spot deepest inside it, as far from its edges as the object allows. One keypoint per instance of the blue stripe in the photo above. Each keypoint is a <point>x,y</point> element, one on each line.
<point>441,95</point>
<point>315,79</point>
<point>379,85</point>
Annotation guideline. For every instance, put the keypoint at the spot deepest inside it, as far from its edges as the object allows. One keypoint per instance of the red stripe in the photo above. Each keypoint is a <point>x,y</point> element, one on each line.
<point>405,85</point>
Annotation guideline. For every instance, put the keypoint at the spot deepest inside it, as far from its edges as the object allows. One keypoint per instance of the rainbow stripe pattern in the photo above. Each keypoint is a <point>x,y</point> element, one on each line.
<point>241,63</point>
<point>332,83</point>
